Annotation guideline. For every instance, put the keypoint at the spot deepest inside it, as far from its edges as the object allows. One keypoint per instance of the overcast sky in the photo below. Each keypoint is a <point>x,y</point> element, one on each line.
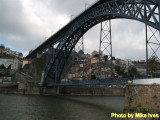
<point>25,24</point>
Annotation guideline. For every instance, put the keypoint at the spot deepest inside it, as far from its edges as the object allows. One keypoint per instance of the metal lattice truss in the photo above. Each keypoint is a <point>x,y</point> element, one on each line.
<point>146,11</point>
<point>105,43</point>
<point>153,42</point>
<point>105,40</point>
<point>80,45</point>
<point>152,45</point>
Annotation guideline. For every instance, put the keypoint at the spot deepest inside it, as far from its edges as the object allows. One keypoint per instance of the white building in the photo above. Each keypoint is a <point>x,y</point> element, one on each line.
<point>142,71</point>
<point>14,62</point>
<point>8,51</point>
<point>129,63</point>
<point>26,61</point>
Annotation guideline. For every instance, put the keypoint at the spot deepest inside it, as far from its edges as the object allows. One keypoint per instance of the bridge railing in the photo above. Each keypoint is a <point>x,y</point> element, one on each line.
<point>108,82</point>
<point>93,82</point>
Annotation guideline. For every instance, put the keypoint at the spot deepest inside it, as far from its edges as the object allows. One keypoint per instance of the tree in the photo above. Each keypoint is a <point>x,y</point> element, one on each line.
<point>132,72</point>
<point>2,67</point>
<point>1,74</point>
<point>153,64</point>
<point>113,58</point>
<point>9,67</point>
<point>2,46</point>
<point>119,70</point>
<point>96,55</point>
<point>80,52</point>
<point>94,52</point>
<point>106,57</point>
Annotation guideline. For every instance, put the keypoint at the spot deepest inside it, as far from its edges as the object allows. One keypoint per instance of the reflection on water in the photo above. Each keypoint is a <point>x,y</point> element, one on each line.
<point>17,107</point>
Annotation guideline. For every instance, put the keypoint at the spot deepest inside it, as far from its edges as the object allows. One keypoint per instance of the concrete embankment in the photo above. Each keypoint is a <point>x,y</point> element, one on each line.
<point>8,90</point>
<point>92,90</point>
<point>85,90</point>
<point>142,98</point>
<point>69,90</point>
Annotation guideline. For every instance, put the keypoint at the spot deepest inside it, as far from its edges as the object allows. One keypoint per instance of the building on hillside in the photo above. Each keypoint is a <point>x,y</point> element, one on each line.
<point>5,80</point>
<point>123,63</point>
<point>2,49</point>
<point>142,61</point>
<point>14,62</point>
<point>20,55</point>
<point>8,51</point>
<point>74,69</point>
<point>26,61</point>
<point>142,71</point>
<point>88,56</point>
<point>118,62</point>
<point>94,61</point>
<point>129,63</point>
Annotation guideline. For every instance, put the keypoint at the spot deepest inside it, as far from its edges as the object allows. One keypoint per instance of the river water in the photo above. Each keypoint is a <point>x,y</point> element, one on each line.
<point>29,107</point>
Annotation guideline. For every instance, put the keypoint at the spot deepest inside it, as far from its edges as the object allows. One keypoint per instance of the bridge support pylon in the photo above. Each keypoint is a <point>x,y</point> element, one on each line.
<point>105,47</point>
<point>152,45</point>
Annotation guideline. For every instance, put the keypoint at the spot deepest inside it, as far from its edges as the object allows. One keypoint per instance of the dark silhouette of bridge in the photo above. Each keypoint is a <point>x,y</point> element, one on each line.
<point>145,11</point>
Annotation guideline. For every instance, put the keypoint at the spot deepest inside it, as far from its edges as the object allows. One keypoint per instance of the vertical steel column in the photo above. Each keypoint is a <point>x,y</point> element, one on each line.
<point>99,67</point>
<point>111,48</point>
<point>105,44</point>
<point>49,53</point>
<point>159,13</point>
<point>146,50</point>
<point>145,16</point>
<point>73,57</point>
<point>73,61</point>
<point>56,72</point>
<point>83,56</point>
<point>47,61</point>
<point>47,56</point>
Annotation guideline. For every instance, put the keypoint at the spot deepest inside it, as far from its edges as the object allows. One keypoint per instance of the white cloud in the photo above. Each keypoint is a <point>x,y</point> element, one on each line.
<point>26,24</point>
<point>25,53</point>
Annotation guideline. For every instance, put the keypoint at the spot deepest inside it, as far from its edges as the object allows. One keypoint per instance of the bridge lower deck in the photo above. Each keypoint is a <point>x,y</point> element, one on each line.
<point>91,82</point>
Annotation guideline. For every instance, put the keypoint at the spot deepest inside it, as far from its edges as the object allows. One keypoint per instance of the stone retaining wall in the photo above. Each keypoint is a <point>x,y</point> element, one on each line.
<point>142,98</point>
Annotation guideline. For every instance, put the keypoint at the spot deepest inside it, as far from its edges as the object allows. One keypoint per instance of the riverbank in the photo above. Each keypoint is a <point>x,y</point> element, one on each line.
<point>143,101</point>
<point>68,90</point>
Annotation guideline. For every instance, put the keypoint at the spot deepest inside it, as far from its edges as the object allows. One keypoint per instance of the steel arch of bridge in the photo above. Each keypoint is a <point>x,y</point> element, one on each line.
<point>145,11</point>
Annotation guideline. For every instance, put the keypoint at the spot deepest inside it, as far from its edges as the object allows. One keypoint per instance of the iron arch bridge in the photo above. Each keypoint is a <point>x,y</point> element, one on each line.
<point>145,11</point>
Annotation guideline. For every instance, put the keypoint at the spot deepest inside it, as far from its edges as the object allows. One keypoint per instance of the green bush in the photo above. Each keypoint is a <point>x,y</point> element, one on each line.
<point>145,110</point>
<point>139,105</point>
<point>133,109</point>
